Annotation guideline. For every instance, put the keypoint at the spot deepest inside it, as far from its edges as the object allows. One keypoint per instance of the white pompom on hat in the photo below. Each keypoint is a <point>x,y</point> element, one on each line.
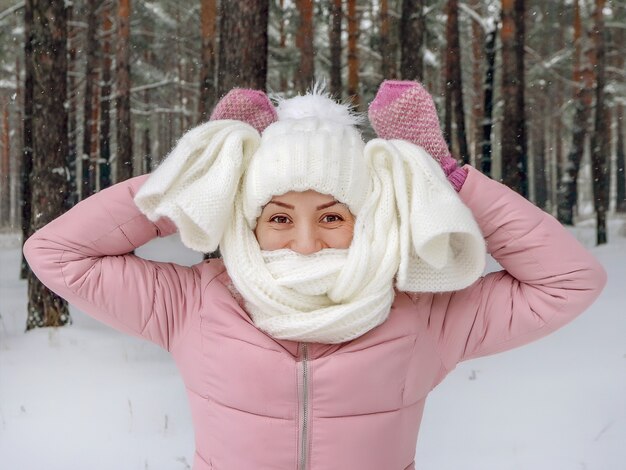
<point>314,145</point>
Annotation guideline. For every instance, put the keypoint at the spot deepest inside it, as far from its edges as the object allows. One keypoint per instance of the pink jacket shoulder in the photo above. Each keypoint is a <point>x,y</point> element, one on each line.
<point>85,256</point>
<point>548,278</point>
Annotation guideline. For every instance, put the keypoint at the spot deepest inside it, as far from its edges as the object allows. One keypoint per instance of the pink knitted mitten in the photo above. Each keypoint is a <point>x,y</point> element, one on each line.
<point>405,110</point>
<point>250,106</point>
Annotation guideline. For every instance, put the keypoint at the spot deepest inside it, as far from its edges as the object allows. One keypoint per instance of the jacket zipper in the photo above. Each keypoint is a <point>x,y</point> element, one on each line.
<point>304,407</point>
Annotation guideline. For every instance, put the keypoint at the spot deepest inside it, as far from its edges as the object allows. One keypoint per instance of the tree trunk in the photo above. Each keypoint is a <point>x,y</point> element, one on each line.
<point>353,54</point>
<point>450,59</point>
<point>583,77</point>
<point>621,163</point>
<point>50,144</point>
<point>94,150</point>
<point>557,97</point>
<point>619,38</point>
<point>5,169</point>
<point>539,120</point>
<point>514,172</point>
<point>334,39</point>
<point>105,100</point>
<point>539,163</point>
<point>478,41</point>
<point>72,196</point>
<point>91,83</point>
<point>147,150</point>
<point>490,71</point>
<point>124,156</point>
<point>600,140</point>
<point>208,15</point>
<point>181,68</point>
<point>394,38</point>
<point>282,43</point>
<point>386,58</point>
<point>243,23</point>
<point>412,32</point>
<point>558,157</point>
<point>304,41</point>
<point>17,155</point>
<point>148,163</point>
<point>27,133</point>
<point>454,82</point>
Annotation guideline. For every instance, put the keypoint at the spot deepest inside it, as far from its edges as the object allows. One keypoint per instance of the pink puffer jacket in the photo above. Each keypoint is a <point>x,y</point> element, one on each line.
<point>258,403</point>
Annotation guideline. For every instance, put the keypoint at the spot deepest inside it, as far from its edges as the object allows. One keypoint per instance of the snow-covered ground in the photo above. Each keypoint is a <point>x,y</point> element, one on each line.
<point>87,397</point>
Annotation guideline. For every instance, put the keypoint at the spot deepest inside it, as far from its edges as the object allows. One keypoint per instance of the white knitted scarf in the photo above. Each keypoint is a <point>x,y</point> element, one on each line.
<point>305,298</point>
<point>413,228</point>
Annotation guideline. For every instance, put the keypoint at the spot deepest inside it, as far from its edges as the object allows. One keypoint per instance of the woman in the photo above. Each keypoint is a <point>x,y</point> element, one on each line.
<point>350,282</point>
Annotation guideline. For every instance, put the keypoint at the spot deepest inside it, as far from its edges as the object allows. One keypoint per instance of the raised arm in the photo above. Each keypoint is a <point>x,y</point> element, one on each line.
<point>85,256</point>
<point>548,277</point>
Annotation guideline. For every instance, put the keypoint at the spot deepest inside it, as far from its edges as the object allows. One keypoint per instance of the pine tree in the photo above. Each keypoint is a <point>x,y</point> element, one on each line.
<point>353,54</point>
<point>412,31</point>
<point>105,98</point>
<point>91,84</point>
<point>304,41</point>
<point>243,45</point>
<point>599,138</point>
<point>619,63</point>
<point>454,82</point>
<point>5,169</point>
<point>513,120</point>
<point>72,194</point>
<point>48,26</point>
<point>583,79</point>
<point>487,127</point>
<point>334,39</point>
<point>124,155</point>
<point>208,15</point>
<point>477,95</point>
<point>27,133</point>
<point>620,160</point>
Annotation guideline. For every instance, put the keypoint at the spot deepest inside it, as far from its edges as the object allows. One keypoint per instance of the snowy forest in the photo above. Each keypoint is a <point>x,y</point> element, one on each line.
<point>531,92</point>
<point>93,93</point>
<point>527,90</point>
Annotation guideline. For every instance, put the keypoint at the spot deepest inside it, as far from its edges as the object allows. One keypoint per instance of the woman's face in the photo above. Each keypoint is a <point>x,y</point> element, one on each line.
<point>304,222</point>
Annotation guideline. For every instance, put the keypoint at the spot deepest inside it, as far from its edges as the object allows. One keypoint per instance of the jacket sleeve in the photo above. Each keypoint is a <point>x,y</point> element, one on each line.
<point>85,256</point>
<point>548,278</point>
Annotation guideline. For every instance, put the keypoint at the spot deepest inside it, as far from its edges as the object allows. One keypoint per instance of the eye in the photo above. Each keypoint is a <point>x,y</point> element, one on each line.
<point>330,218</point>
<point>280,219</point>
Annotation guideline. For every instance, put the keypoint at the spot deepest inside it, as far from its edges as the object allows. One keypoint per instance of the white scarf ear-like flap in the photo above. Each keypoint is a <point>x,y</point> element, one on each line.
<point>195,186</point>
<point>441,246</point>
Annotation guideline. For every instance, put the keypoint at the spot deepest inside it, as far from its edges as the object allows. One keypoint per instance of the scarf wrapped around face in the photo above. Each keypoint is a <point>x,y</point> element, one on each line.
<point>411,232</point>
<point>421,236</point>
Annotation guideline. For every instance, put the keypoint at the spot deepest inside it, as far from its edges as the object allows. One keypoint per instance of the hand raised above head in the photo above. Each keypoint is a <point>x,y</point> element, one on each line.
<point>405,110</point>
<point>250,106</point>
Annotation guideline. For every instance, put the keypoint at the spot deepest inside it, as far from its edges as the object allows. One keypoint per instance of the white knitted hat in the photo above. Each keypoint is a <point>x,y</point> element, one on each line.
<point>314,145</point>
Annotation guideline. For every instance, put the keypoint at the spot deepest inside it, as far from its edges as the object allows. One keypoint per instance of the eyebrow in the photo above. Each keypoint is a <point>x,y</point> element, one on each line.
<point>319,208</point>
